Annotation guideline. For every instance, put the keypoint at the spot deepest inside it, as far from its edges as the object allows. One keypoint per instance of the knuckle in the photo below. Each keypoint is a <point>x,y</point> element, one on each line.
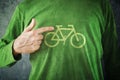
<point>40,42</point>
<point>41,36</point>
<point>33,39</point>
<point>32,32</point>
<point>45,28</point>
<point>38,46</point>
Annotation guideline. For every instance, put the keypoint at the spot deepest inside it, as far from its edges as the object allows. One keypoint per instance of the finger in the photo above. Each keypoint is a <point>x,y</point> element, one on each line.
<point>35,47</point>
<point>31,26</point>
<point>44,29</point>
<point>37,42</point>
<point>39,37</point>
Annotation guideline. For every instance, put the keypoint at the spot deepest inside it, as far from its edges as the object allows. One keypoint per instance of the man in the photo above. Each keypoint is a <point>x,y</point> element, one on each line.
<point>83,33</point>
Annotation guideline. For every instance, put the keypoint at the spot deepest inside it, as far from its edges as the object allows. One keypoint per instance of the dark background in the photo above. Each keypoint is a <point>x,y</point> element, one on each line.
<point>20,71</point>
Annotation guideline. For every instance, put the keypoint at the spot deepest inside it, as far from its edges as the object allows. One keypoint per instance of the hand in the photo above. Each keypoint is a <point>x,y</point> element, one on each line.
<point>30,40</point>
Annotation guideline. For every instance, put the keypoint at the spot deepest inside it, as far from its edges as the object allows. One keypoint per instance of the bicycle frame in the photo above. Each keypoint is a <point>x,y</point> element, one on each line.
<point>77,40</point>
<point>59,30</point>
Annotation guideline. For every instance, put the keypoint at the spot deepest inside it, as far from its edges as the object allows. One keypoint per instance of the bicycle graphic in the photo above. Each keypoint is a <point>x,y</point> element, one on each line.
<point>77,40</point>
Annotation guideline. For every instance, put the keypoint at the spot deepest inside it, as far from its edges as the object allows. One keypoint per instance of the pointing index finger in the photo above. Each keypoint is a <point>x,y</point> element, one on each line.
<point>44,29</point>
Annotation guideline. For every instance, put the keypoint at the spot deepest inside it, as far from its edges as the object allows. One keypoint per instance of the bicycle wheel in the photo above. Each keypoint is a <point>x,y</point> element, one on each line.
<point>78,40</point>
<point>51,39</point>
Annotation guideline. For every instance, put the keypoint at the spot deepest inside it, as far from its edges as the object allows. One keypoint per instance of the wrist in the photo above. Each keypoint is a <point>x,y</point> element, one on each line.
<point>16,54</point>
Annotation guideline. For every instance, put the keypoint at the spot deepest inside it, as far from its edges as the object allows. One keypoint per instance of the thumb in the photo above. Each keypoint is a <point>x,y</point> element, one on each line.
<point>31,26</point>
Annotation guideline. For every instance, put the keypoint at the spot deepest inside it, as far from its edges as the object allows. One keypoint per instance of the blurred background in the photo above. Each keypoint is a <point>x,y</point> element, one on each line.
<point>20,71</point>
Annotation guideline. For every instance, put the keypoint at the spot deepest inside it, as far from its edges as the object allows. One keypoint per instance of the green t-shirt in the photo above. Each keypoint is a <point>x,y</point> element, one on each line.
<point>84,34</point>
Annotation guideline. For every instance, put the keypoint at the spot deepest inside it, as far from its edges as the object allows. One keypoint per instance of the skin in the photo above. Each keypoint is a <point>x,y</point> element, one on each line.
<point>30,40</point>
